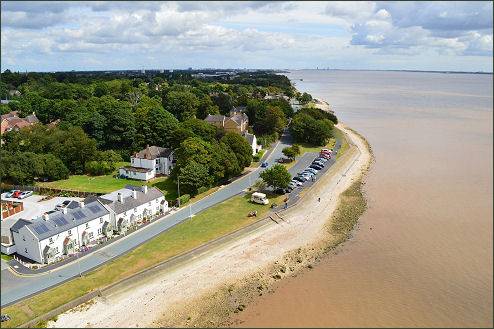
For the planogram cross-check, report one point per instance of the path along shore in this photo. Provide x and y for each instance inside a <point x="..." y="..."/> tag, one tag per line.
<point x="206" y="290"/>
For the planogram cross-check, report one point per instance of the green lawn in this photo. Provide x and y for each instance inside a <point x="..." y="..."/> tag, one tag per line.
<point x="304" y="147"/>
<point x="6" y="257"/>
<point x="212" y="223"/>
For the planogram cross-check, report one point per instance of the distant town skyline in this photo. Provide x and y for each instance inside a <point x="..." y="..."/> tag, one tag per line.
<point x="426" y="36"/>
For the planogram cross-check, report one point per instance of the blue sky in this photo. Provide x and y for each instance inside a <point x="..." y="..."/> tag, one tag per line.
<point x="99" y="35"/>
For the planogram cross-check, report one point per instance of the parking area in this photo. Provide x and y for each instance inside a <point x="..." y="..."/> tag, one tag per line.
<point x="35" y="206"/>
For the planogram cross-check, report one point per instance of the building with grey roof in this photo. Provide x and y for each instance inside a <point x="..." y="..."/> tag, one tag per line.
<point x="133" y="204"/>
<point x="58" y="233"/>
<point x="149" y="162"/>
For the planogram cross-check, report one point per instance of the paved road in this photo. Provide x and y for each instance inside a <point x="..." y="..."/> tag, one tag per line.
<point x="15" y="288"/>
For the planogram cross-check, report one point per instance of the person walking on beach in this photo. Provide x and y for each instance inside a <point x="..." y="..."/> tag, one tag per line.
<point x="318" y="199"/>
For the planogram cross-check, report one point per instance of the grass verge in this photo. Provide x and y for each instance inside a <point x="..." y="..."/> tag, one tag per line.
<point x="212" y="223"/>
<point x="6" y="257"/>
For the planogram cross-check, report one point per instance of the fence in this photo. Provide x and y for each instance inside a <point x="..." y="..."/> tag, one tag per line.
<point x="49" y="190"/>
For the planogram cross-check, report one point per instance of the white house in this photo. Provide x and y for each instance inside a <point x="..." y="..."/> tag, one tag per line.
<point x="148" y="163"/>
<point x="252" y="140"/>
<point x="132" y="205"/>
<point x="63" y="232"/>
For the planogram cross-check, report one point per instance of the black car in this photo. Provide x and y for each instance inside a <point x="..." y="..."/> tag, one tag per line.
<point x="297" y="178"/>
<point x="316" y="166"/>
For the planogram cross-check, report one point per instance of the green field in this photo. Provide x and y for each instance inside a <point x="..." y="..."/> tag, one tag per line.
<point x="212" y="223"/>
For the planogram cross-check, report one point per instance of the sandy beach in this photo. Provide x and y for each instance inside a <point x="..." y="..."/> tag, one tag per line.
<point x="194" y="293"/>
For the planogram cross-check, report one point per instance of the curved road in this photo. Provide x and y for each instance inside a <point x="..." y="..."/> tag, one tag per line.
<point x="15" y="288"/>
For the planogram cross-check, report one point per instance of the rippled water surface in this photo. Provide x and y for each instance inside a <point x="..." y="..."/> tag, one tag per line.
<point x="422" y="254"/>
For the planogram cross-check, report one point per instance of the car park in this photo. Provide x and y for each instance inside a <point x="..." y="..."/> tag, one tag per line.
<point x="9" y="194"/>
<point x="25" y="194"/>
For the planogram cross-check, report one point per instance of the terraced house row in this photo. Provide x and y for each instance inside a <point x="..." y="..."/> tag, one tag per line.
<point x="65" y="231"/>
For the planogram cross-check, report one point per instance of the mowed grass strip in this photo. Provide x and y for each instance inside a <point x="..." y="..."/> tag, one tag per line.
<point x="212" y="223"/>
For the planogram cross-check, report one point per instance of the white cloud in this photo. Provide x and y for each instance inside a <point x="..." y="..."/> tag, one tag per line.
<point x="243" y="32"/>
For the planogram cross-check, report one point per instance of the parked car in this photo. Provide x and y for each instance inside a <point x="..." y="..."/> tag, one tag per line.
<point x="321" y="159"/>
<point x="16" y="194"/>
<point x="316" y="167"/>
<point x="299" y="179"/>
<point x="9" y="194"/>
<point x="4" y="317"/>
<point x="325" y="150"/>
<point x="309" y="172"/>
<point x="319" y="163"/>
<point x="264" y="164"/>
<point x="312" y="170"/>
<point x="292" y="185"/>
<point x="25" y="194"/>
<point x="325" y="156"/>
<point x="297" y="182"/>
<point x="306" y="177"/>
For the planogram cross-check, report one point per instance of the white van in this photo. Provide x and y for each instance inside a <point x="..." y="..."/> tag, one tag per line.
<point x="259" y="198"/>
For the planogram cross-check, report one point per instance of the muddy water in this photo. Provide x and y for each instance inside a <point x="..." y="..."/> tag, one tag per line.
<point x="422" y="254"/>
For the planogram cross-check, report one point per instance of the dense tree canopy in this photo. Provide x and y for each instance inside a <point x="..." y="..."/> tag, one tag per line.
<point x="277" y="176"/>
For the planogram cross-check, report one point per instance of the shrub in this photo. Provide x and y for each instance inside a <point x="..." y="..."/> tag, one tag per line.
<point x="202" y="189"/>
<point x="184" y="199"/>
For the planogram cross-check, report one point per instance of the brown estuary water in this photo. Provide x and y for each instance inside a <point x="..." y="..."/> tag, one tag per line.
<point x="421" y="255"/>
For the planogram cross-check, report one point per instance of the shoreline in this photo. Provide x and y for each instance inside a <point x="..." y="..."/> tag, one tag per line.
<point x="295" y="244"/>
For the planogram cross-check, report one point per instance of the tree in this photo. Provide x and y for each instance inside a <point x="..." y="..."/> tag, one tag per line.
<point x="277" y="176"/>
<point x="206" y="106"/>
<point x="305" y="128"/>
<point x="154" y="125"/>
<point x="296" y="149"/>
<point x="239" y="146"/>
<point x="274" y="120"/>
<point x="289" y="153"/>
<point x="194" y="176"/>
<point x="182" y="104"/>
<point x="305" y="98"/>
<point x="224" y="102"/>
<point x="201" y="128"/>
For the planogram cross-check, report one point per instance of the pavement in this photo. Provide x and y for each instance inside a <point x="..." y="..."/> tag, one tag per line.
<point x="15" y="288"/>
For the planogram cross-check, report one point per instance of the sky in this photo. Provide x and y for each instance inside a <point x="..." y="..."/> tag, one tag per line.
<point x="99" y="35"/>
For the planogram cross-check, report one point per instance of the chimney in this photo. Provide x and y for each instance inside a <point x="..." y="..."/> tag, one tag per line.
<point x="45" y="217"/>
<point x="134" y="194"/>
<point x="81" y="204"/>
<point x="120" y="198"/>
<point x="144" y="189"/>
<point x="64" y="210"/>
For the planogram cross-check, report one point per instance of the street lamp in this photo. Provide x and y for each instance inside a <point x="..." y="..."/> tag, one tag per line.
<point x="178" y="188"/>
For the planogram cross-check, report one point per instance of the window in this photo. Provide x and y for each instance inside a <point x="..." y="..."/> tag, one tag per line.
<point x="51" y="240"/>
<point x="25" y="250"/>
<point x="101" y="220"/>
<point x="23" y="238"/>
<point x="149" y="203"/>
<point x="135" y="209"/>
<point x="69" y="232"/>
<point x="100" y="231"/>
<point x="87" y="225"/>
<point x="90" y="235"/>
